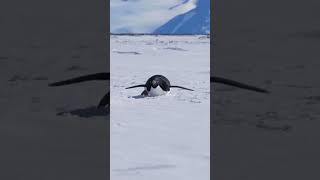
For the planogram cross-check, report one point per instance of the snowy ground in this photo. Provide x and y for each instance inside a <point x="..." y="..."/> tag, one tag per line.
<point x="164" y="137"/>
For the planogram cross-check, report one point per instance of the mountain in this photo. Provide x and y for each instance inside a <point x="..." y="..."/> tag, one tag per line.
<point x="195" y="21"/>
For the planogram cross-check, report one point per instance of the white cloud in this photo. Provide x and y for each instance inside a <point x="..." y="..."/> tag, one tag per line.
<point x="143" y="16"/>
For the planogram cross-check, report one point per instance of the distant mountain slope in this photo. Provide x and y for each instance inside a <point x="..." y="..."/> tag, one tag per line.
<point x="144" y="16"/>
<point x="195" y="21"/>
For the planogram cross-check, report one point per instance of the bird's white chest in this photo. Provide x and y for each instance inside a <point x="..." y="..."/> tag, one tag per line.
<point x="157" y="91"/>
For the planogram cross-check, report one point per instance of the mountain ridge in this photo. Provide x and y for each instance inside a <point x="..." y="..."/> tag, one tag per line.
<point x="195" y="21"/>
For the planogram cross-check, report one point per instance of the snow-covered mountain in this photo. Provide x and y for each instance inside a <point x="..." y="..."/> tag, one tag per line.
<point x="195" y="21"/>
<point x="144" y="16"/>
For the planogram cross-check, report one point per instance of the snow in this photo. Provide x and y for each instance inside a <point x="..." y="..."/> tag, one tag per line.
<point x="162" y="137"/>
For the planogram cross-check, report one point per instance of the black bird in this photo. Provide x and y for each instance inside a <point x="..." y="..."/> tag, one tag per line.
<point x="157" y="85"/>
<point x="105" y="101"/>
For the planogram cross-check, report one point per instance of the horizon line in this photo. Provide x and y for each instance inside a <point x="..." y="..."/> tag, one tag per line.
<point x="166" y="34"/>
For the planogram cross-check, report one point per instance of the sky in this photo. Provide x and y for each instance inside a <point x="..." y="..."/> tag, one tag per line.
<point x="144" y="16"/>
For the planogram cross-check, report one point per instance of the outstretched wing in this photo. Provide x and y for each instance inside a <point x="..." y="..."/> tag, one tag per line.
<point x="215" y="79"/>
<point x="181" y="88"/>
<point x="141" y="85"/>
<point x="90" y="77"/>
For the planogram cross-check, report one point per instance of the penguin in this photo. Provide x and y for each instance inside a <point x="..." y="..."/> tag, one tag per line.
<point x="105" y="101"/>
<point x="157" y="85"/>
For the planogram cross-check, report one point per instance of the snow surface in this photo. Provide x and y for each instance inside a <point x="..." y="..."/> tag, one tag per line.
<point x="164" y="137"/>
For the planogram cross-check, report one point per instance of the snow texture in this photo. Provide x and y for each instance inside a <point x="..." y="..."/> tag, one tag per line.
<point x="163" y="137"/>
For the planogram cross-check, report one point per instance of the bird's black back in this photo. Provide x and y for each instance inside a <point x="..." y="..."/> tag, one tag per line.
<point x="162" y="81"/>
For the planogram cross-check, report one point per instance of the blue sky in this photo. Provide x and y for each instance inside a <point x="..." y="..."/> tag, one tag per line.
<point x="143" y="16"/>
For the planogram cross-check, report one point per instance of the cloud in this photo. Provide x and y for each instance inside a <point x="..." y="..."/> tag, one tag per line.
<point x="143" y="16"/>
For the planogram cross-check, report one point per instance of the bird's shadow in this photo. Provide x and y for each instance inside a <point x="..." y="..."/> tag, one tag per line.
<point x="142" y="96"/>
<point x="87" y="112"/>
<point x="138" y="97"/>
